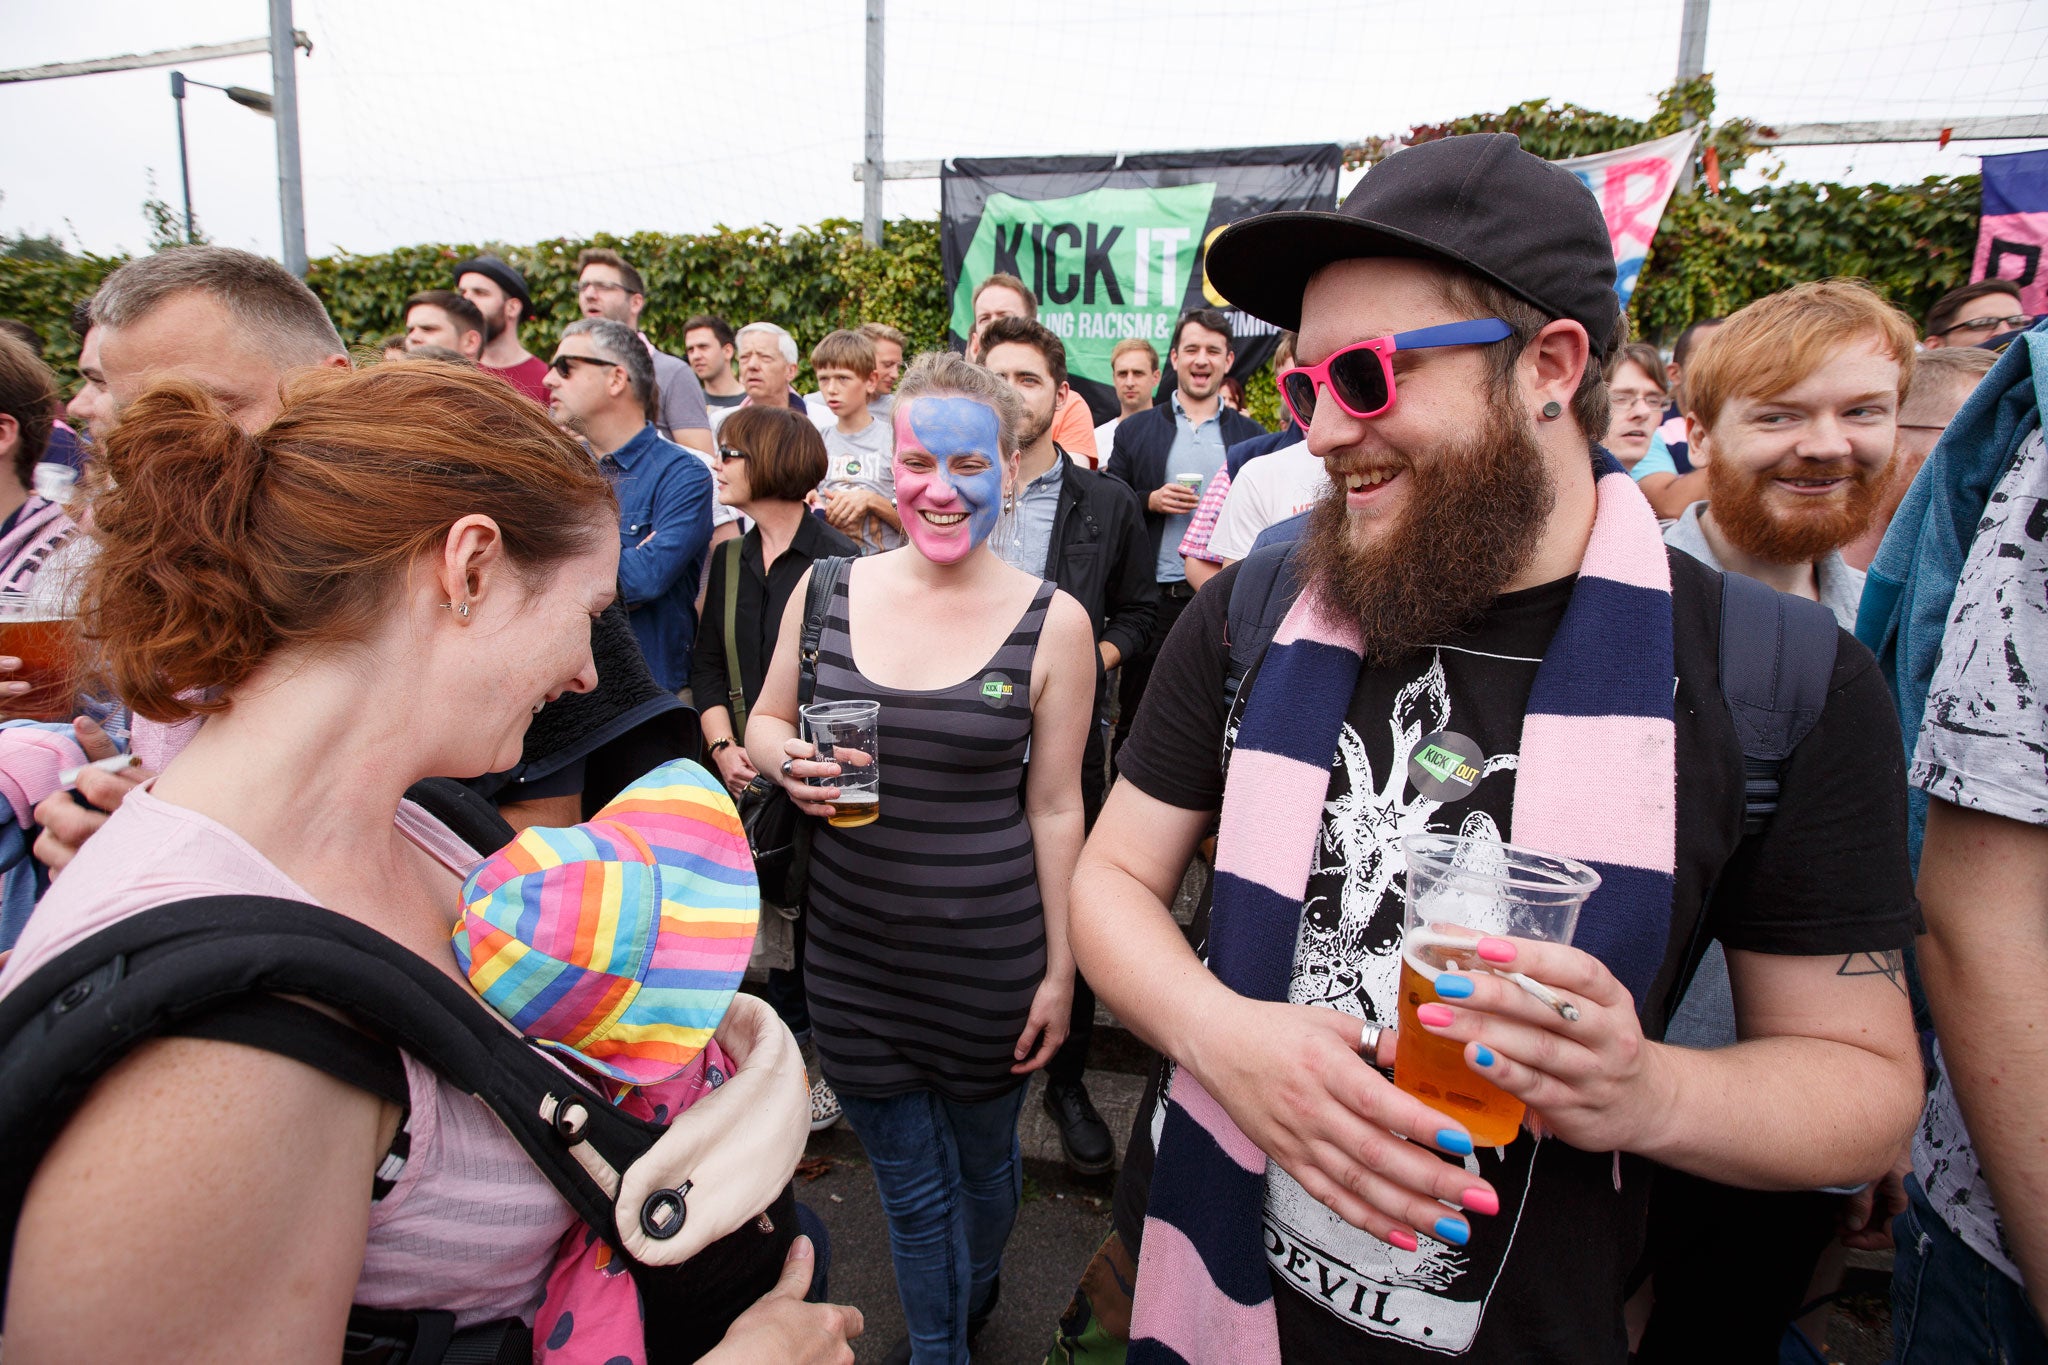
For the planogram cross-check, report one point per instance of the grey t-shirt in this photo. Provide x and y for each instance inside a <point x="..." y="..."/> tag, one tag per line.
<point x="864" y="461"/>
<point x="682" y="397"/>
<point x="1980" y="748"/>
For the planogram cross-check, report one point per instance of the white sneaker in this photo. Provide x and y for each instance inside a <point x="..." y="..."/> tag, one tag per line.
<point x="825" y="1110"/>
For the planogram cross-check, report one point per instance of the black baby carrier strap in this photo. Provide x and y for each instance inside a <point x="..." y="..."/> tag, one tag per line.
<point x="214" y="967"/>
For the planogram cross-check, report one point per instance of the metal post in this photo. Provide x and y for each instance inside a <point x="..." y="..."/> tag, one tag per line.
<point x="1692" y="41"/>
<point x="284" y="86"/>
<point x="872" y="177"/>
<point x="184" y="165"/>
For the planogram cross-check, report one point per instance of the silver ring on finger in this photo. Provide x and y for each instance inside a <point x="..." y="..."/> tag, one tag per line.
<point x="787" y="764"/>
<point x="1369" y="1042"/>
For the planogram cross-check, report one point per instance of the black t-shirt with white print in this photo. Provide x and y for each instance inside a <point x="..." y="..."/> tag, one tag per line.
<point x="1544" y="1279"/>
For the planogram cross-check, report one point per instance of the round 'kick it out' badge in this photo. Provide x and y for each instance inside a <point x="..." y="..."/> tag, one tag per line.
<point x="1445" y="766"/>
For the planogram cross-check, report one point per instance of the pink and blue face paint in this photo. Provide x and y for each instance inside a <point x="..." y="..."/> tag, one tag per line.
<point x="949" y="465"/>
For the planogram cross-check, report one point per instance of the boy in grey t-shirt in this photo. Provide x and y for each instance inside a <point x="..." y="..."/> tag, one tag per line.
<point x="859" y="491"/>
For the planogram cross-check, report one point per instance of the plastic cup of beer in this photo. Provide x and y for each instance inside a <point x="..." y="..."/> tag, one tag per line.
<point x="849" y="733"/>
<point x="1461" y="890"/>
<point x="45" y="638"/>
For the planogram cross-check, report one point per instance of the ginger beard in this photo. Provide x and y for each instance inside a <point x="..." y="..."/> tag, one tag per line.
<point x="1787" y="528"/>
<point x="1473" y="517"/>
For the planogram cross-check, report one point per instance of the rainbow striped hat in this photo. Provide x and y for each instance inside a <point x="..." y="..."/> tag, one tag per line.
<point x="619" y="941"/>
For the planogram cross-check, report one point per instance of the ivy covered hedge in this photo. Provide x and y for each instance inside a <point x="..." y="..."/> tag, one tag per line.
<point x="1712" y="254"/>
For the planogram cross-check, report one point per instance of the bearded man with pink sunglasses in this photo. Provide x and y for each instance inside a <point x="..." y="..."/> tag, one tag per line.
<point x="1481" y="634"/>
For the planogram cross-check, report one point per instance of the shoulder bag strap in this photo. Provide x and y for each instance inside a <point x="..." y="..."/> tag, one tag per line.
<point x="735" y="698"/>
<point x="1777" y="659"/>
<point x="825" y="575"/>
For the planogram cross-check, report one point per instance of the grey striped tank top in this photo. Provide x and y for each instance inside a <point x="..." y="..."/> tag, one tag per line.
<point x="926" y="938"/>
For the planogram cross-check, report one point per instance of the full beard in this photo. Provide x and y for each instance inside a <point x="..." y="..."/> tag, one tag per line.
<point x="1474" y="516"/>
<point x="1798" y="534"/>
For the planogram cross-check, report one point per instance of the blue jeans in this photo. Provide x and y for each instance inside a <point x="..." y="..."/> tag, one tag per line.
<point x="1950" y="1306"/>
<point x="951" y="1178"/>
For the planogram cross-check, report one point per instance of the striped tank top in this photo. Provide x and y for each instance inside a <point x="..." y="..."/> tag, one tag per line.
<point x="926" y="934"/>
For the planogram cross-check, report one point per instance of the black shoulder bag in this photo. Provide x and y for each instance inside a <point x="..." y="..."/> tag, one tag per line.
<point x="777" y="833"/>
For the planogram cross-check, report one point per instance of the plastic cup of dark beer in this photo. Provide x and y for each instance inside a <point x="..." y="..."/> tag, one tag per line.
<point x="1459" y="891"/>
<point x="45" y="638"/>
<point x="849" y="733"/>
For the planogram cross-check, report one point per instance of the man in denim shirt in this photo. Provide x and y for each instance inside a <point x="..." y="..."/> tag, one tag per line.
<point x="602" y="387"/>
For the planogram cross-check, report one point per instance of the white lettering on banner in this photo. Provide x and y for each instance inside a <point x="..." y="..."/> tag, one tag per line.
<point x="1141" y="265"/>
<point x="1169" y="260"/>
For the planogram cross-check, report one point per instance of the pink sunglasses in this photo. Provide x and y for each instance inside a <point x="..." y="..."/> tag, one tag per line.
<point x="1361" y="376"/>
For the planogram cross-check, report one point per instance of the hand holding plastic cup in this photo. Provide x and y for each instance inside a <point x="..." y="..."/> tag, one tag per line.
<point x="1460" y="891"/>
<point x="848" y="733"/>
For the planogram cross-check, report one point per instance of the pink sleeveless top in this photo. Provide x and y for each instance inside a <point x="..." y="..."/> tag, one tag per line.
<point x="471" y="1226"/>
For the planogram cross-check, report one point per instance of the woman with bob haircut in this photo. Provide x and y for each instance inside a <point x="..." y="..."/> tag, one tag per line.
<point x="384" y="584"/>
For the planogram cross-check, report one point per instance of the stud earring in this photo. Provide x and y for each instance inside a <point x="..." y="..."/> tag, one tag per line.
<point x="461" y="610"/>
<point x="1552" y="410"/>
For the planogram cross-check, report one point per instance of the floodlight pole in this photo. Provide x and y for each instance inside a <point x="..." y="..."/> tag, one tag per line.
<point x="184" y="165"/>
<point x="284" y="86"/>
<point x="1692" y="41"/>
<point x="871" y="152"/>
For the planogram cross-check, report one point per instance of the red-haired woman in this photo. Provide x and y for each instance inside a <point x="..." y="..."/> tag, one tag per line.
<point x="384" y="584"/>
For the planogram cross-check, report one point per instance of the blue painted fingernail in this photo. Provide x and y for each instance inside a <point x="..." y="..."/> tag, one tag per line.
<point x="1482" y="1054"/>
<point x="1451" y="1140"/>
<point x="1451" y="986"/>
<point x="1453" y="1231"/>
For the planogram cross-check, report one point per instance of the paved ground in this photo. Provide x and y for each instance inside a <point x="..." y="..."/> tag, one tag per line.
<point x="1063" y="1220"/>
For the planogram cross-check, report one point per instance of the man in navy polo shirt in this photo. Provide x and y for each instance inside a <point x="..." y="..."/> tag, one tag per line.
<point x="602" y="387"/>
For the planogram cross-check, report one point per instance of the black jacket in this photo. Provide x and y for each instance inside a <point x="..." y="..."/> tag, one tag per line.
<point x="1139" y="456"/>
<point x="1098" y="555"/>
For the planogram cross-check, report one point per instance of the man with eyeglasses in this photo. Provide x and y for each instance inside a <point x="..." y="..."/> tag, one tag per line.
<point x="1479" y="637"/>
<point x="1974" y="313"/>
<point x="601" y="386"/>
<point x="608" y="287"/>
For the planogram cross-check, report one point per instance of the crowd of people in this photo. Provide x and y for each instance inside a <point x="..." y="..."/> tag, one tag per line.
<point x="1490" y="580"/>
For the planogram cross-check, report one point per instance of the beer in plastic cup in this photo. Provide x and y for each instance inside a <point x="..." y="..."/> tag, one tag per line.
<point x="43" y="635"/>
<point x="849" y="733"/>
<point x="1460" y="890"/>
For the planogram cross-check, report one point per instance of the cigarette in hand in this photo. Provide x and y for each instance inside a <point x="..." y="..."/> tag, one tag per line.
<point x="68" y="779"/>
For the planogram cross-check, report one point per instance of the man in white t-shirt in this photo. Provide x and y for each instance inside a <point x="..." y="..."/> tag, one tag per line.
<point x="1265" y="492"/>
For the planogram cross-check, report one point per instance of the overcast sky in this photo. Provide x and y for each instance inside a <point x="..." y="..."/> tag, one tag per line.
<point x="513" y="120"/>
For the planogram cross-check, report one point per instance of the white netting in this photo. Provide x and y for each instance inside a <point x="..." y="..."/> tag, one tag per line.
<point x="514" y="120"/>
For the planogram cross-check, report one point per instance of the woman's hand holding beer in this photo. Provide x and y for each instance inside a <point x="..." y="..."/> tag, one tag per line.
<point x="803" y="764"/>
<point x="14" y="687"/>
<point x="1293" y="1081"/>
<point x="1594" y="1081"/>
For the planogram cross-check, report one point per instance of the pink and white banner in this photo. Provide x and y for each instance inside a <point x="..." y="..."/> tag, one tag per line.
<point x="1633" y="185"/>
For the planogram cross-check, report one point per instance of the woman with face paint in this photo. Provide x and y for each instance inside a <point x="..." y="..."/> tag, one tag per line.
<point x="937" y="965"/>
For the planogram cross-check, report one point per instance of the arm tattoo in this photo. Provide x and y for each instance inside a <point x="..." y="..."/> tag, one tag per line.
<point x="1890" y="965"/>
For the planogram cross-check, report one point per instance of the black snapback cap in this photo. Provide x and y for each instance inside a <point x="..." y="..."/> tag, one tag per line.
<point x="1477" y="201"/>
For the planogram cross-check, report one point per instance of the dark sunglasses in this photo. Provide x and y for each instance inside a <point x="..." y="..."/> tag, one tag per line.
<point x="1361" y="376"/>
<point x="730" y="453"/>
<point x="562" y="364"/>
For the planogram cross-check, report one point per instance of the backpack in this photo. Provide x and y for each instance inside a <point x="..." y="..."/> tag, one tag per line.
<point x="1777" y="657"/>
<point x="219" y="967"/>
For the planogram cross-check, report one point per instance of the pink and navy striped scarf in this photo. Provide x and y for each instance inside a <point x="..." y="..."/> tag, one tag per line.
<point x="1597" y="782"/>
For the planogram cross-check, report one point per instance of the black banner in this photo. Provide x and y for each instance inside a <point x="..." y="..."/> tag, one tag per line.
<point x="1115" y="247"/>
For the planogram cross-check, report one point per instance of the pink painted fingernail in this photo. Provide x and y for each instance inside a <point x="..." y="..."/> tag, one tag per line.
<point x="1436" y="1016"/>
<point x="1496" y="950"/>
<point x="1479" y="1199"/>
<point x="1401" y="1238"/>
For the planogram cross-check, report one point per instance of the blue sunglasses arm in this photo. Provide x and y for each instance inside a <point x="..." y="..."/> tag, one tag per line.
<point x="1478" y="332"/>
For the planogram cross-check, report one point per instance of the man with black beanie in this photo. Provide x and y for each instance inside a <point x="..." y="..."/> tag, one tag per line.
<point x="499" y="293"/>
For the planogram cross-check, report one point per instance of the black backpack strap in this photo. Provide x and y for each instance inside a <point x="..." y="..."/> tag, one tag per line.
<point x="1260" y="599"/>
<point x="825" y="576"/>
<point x="271" y="1023"/>
<point x="1777" y="659"/>
<point x="152" y="973"/>
<point x="471" y="818"/>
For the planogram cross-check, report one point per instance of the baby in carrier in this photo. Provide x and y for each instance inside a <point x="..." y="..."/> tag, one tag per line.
<point x="618" y="945"/>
